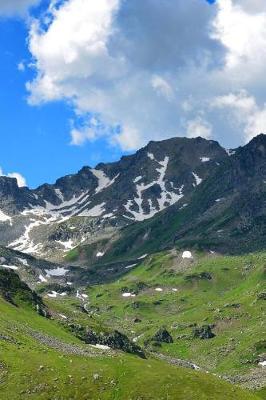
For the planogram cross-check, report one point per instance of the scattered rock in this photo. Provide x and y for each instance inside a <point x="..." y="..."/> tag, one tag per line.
<point x="162" y="336"/>
<point x="203" y="332"/>
<point x="261" y="296"/>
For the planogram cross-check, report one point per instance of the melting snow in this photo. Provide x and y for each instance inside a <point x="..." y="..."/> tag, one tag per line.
<point x="5" y="218"/>
<point x="130" y="266"/>
<point x="103" y="180"/>
<point x="96" y="211"/>
<point x="137" y="179"/>
<point x="53" y="294"/>
<point x="187" y="254"/>
<point x="56" y="272"/>
<point x="128" y="295"/>
<point x="100" y="346"/>
<point x="151" y="156"/>
<point x="59" y="194"/>
<point x="166" y="199"/>
<point x="23" y="261"/>
<point x="68" y="245"/>
<point x="144" y="256"/>
<point x="204" y="159"/>
<point x="42" y="278"/>
<point x="197" y="179"/>
<point x="230" y="152"/>
<point x="99" y="254"/>
<point x="9" y="267"/>
<point x="110" y="215"/>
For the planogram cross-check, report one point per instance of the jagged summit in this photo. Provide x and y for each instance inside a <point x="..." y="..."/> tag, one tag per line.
<point x="55" y="218"/>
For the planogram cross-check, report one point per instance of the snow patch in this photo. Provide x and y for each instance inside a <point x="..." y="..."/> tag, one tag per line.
<point x="167" y="198"/>
<point x="13" y="267"/>
<point x="197" y="179"/>
<point x="158" y="289"/>
<point x="100" y="346"/>
<point x="187" y="254"/>
<point x="42" y="278"/>
<point x="56" y="272"/>
<point x="103" y="180"/>
<point x="230" y="152"/>
<point x="68" y="244"/>
<point x="204" y="159"/>
<point x="131" y="266"/>
<point x="99" y="254"/>
<point x="137" y="179"/>
<point x="144" y="256"/>
<point x="52" y="294"/>
<point x="128" y="295"/>
<point x="151" y="156"/>
<point x="96" y="211"/>
<point x="23" y="261"/>
<point x="4" y="218"/>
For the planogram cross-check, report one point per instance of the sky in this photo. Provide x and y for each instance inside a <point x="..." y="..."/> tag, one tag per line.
<point x="84" y="81"/>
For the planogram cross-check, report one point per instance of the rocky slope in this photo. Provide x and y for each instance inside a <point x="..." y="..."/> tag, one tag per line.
<point x="94" y="203"/>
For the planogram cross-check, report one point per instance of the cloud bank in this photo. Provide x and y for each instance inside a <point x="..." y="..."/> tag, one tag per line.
<point x="140" y="70"/>
<point x="20" y="179"/>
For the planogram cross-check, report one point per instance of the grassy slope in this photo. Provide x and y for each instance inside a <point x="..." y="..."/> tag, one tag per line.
<point x="65" y="376"/>
<point x="228" y="300"/>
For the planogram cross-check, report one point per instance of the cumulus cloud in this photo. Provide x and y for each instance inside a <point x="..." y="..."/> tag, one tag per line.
<point x="244" y="111"/>
<point x="16" y="7"/>
<point x="20" y="179"/>
<point x="149" y="69"/>
<point x="199" y="127"/>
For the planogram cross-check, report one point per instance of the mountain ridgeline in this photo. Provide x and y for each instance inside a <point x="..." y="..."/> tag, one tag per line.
<point x="187" y="192"/>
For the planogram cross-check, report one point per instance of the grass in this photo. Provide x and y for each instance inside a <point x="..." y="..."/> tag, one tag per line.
<point x="228" y="301"/>
<point x="32" y="370"/>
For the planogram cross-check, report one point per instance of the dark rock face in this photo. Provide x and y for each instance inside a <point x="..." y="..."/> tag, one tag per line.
<point x="203" y="332"/>
<point x="262" y="296"/>
<point x="192" y="190"/>
<point x="14" y="291"/>
<point x="163" y="336"/>
<point x="113" y="195"/>
<point x="115" y="340"/>
<point x="199" y="276"/>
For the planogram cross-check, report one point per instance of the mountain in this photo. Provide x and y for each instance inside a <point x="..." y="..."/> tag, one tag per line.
<point x="138" y="270"/>
<point x="225" y="213"/>
<point x="98" y="202"/>
<point x="187" y="192"/>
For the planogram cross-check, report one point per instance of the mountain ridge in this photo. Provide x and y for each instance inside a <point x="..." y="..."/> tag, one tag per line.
<point x="96" y="203"/>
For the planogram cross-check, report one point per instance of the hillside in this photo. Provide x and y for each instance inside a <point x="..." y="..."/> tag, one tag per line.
<point x="41" y="360"/>
<point x="183" y="295"/>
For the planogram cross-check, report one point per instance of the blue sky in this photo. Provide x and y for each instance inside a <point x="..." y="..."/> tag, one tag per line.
<point x="184" y="79"/>
<point x="35" y="140"/>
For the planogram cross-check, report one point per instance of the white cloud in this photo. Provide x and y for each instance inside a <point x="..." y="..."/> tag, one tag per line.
<point x="244" y="110"/>
<point x="20" y="179"/>
<point x="243" y="33"/>
<point x="199" y="127"/>
<point x="108" y="58"/>
<point x="162" y="87"/>
<point x="16" y="7"/>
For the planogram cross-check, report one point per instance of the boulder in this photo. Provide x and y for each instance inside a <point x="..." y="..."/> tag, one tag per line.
<point x="203" y="332"/>
<point x="162" y="336"/>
